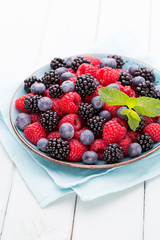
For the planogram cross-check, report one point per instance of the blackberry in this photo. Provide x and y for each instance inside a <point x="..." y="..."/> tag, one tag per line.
<point x="145" y="73"/>
<point x="118" y="59"/>
<point x="141" y="124"/>
<point x="78" y="61"/>
<point x="57" y="63"/>
<point x="146" y="89"/>
<point x="96" y="124"/>
<point x="50" y="78"/>
<point x="113" y="153"/>
<point x="87" y="110"/>
<point x="125" y="79"/>
<point x="29" y="81"/>
<point x="55" y="91"/>
<point x="31" y="103"/>
<point x="145" y="141"/>
<point x="57" y="148"/>
<point x="85" y="85"/>
<point x="49" y="120"/>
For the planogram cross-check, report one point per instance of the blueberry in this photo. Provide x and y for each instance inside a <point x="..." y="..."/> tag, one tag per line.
<point x="132" y="69"/>
<point x="138" y="80"/>
<point x="65" y="76"/>
<point x="23" y="120"/>
<point x="87" y="137"/>
<point x="61" y="70"/>
<point x="67" y="86"/>
<point x="66" y="131"/>
<point x="68" y="61"/>
<point x="90" y="157"/>
<point x="44" y="104"/>
<point x="97" y="103"/>
<point x="114" y="85"/>
<point x="157" y="88"/>
<point x="119" y="114"/>
<point x="158" y="120"/>
<point x="106" y="114"/>
<point x="134" y="149"/>
<point x="97" y="82"/>
<point x="108" y="62"/>
<point x="38" y="88"/>
<point x="42" y="144"/>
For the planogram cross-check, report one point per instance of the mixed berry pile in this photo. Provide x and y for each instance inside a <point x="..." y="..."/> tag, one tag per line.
<point x="64" y="116"/>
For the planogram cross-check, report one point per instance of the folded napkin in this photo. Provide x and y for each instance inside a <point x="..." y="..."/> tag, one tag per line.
<point x="49" y="181"/>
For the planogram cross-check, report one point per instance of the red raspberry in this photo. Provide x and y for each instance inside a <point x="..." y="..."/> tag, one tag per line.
<point x="107" y="76"/>
<point x="77" y="150"/>
<point x="54" y="134"/>
<point x="73" y="119"/>
<point x="19" y="103"/>
<point x="111" y="109"/>
<point x="148" y="120"/>
<point x="127" y="90"/>
<point x="88" y="98"/>
<point x="73" y="79"/>
<point x="133" y="135"/>
<point x="70" y="102"/>
<point x="99" y="147"/>
<point x="124" y="143"/>
<point x="71" y="71"/>
<point x="121" y="121"/>
<point x="56" y="107"/>
<point x="34" y="132"/>
<point x="35" y="117"/>
<point x="46" y="94"/>
<point x="153" y="130"/>
<point x="113" y="132"/>
<point x="94" y="60"/>
<point x="78" y="133"/>
<point x="87" y="68"/>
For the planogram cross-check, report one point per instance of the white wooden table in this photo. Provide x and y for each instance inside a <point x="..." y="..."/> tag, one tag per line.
<point x="32" y="32"/>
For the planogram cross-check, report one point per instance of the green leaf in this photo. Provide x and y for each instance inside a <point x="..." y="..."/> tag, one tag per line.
<point x="131" y="102"/>
<point x="112" y="96"/>
<point x="133" y="118"/>
<point x="148" y="106"/>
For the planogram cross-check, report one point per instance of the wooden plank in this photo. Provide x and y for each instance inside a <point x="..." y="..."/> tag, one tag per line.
<point x="6" y="177"/>
<point x="118" y="216"/>
<point x="26" y="220"/>
<point x="71" y="28"/>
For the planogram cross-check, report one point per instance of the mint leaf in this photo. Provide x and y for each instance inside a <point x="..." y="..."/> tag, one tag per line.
<point x="133" y="118"/>
<point x="112" y="96"/>
<point x="148" y="106"/>
<point x="131" y="102"/>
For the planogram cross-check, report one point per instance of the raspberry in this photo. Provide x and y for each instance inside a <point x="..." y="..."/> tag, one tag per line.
<point x="78" y="133"/>
<point x="77" y="149"/>
<point x="111" y="109"/>
<point x="34" y="132"/>
<point x="46" y="94"/>
<point x="73" y="119"/>
<point x="19" y="103"/>
<point x="35" y="117"/>
<point x="107" y="76"/>
<point x="71" y="71"/>
<point x="148" y="120"/>
<point x="153" y="130"/>
<point x="99" y="147"/>
<point x="56" y="108"/>
<point x="70" y="102"/>
<point x="87" y="68"/>
<point x="124" y="143"/>
<point x="73" y="79"/>
<point x="89" y="98"/>
<point x="94" y="60"/>
<point x="121" y="121"/>
<point x="113" y="132"/>
<point x="133" y="135"/>
<point x="54" y="134"/>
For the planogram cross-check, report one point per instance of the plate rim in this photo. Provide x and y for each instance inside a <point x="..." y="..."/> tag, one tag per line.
<point x="73" y="164"/>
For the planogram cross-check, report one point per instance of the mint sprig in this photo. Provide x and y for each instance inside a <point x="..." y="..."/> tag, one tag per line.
<point x="145" y="106"/>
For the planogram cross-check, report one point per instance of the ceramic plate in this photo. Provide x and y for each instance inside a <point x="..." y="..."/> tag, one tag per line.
<point x="101" y="164"/>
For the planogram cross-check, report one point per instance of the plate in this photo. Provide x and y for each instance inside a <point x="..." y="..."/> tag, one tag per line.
<point x="101" y="164"/>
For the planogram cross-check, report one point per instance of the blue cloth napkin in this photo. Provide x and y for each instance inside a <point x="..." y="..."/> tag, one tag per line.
<point x="49" y="181"/>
